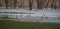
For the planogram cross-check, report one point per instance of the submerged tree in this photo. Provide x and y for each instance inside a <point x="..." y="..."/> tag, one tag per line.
<point x="6" y="3"/>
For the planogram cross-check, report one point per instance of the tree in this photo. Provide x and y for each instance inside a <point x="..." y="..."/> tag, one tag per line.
<point x="20" y="4"/>
<point x="0" y="4"/>
<point x="47" y="3"/>
<point x="6" y="4"/>
<point x="30" y="4"/>
<point x="10" y="3"/>
<point x="39" y="4"/>
<point x="59" y="1"/>
<point x="14" y="3"/>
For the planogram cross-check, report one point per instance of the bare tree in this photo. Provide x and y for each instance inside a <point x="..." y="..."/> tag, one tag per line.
<point x="6" y="4"/>
<point x="20" y="4"/>
<point x="39" y="4"/>
<point x="10" y="3"/>
<point x="54" y="4"/>
<point x="14" y="3"/>
<point x="30" y="4"/>
<point x="0" y="4"/>
<point x="59" y="1"/>
<point x="47" y="3"/>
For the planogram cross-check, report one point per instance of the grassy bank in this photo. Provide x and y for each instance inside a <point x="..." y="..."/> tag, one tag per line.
<point x="7" y="24"/>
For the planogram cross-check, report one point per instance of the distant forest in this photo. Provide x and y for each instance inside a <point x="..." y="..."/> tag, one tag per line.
<point x="30" y="4"/>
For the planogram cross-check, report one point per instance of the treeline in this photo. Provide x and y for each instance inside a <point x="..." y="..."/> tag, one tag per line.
<point x="36" y="4"/>
<point x="8" y="3"/>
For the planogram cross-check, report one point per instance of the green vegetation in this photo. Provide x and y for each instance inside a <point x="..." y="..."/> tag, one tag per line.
<point x="8" y="24"/>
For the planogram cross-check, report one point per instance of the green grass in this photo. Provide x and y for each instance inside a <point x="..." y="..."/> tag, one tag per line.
<point x="8" y="24"/>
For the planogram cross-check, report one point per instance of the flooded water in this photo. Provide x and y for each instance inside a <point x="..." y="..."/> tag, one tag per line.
<point x="52" y="15"/>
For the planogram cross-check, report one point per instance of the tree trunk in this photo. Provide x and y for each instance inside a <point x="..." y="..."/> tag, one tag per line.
<point x="6" y="4"/>
<point x="30" y="4"/>
<point x="47" y="3"/>
<point x="14" y="2"/>
<point x="39" y="4"/>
